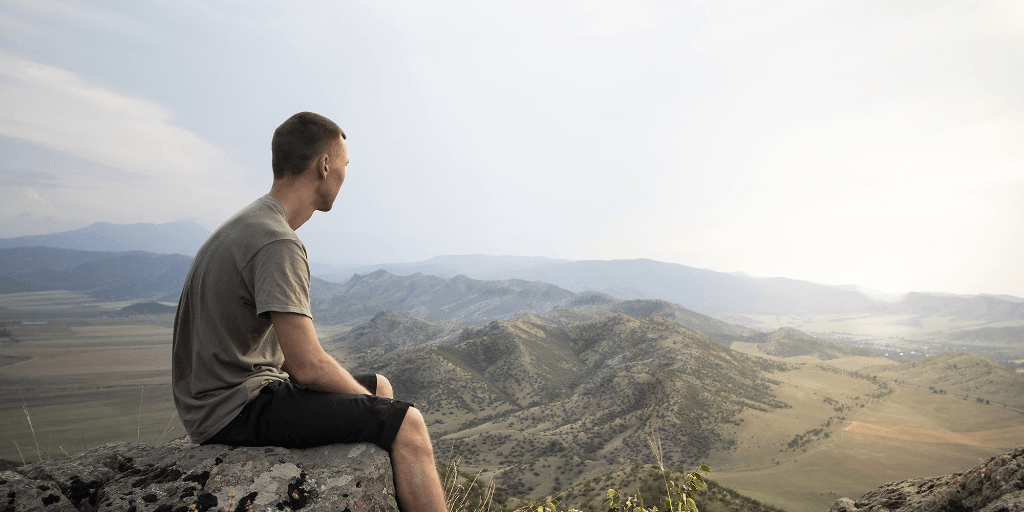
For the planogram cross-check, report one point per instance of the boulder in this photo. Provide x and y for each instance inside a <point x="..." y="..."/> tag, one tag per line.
<point x="181" y="476"/>
<point x="997" y="485"/>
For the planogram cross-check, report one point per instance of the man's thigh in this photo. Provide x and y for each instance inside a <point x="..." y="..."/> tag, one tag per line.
<point x="286" y="414"/>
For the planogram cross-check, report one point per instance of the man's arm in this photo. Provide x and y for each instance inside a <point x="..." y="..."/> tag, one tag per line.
<point x="305" y="360"/>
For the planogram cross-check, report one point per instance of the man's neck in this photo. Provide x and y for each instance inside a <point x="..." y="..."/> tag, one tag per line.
<point x="297" y="208"/>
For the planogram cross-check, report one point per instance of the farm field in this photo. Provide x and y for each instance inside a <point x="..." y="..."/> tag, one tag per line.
<point x="81" y="377"/>
<point x="57" y="303"/>
<point x="84" y="396"/>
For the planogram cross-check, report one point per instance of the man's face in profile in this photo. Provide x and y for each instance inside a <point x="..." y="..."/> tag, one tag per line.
<point x="337" y="160"/>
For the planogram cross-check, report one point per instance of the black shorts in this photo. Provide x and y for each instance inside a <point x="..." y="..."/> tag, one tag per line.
<point x="291" y="416"/>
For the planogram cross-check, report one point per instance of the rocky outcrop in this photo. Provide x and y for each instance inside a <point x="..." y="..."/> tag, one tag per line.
<point x="995" y="486"/>
<point x="181" y="477"/>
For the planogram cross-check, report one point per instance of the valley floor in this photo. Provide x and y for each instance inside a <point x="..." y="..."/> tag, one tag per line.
<point x="907" y="434"/>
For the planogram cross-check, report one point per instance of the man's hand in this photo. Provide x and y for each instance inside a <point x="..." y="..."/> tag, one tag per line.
<point x="305" y="360"/>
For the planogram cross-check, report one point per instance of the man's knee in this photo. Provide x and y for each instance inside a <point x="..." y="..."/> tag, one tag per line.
<point x="413" y="432"/>
<point x="414" y="419"/>
<point x="384" y="388"/>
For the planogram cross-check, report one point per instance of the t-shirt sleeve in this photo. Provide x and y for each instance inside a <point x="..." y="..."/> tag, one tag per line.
<point x="281" y="279"/>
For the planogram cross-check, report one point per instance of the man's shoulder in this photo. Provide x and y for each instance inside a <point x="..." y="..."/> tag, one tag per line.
<point x="259" y="224"/>
<point x="263" y="221"/>
<point x="264" y="213"/>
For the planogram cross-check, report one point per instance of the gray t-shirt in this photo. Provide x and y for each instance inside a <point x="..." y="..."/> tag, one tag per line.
<point x="224" y="348"/>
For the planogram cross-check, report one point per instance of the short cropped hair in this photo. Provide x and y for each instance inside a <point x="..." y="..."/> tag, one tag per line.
<point x="299" y="140"/>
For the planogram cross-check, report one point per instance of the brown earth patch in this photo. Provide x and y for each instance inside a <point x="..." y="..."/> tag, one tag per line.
<point x="916" y="433"/>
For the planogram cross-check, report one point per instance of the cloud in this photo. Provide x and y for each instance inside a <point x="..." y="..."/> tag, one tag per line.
<point x="144" y="167"/>
<point x="57" y="109"/>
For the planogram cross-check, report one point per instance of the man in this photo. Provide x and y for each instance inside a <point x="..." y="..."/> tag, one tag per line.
<point x="247" y="368"/>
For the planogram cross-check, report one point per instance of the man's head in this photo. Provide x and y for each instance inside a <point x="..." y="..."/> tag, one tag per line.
<point x="301" y="139"/>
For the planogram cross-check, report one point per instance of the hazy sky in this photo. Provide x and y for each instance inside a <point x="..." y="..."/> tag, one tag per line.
<point x="870" y="142"/>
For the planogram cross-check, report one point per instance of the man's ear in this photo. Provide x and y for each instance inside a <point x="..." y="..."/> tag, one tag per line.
<point x="323" y="167"/>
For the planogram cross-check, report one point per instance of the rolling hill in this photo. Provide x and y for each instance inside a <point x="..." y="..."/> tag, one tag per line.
<point x="390" y="330"/>
<point x="789" y="342"/>
<point x="592" y="305"/>
<point x="968" y="376"/>
<point x="978" y="307"/>
<point x="430" y="298"/>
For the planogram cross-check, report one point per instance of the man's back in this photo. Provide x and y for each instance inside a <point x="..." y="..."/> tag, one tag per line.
<point x="254" y="263"/>
<point x="244" y="311"/>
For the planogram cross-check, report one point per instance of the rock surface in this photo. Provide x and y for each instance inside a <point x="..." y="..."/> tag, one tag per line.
<point x="995" y="486"/>
<point x="135" y="477"/>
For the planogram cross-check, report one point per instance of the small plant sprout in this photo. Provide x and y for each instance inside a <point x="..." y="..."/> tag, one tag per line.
<point x="138" y="433"/>
<point x="678" y="497"/>
<point x="167" y="428"/>
<point x="24" y="407"/>
<point x="19" y="451"/>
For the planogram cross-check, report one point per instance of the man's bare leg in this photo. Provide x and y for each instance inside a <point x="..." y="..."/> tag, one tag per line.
<point x="412" y="459"/>
<point x="384" y="387"/>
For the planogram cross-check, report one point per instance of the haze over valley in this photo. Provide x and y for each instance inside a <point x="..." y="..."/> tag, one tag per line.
<point x="474" y="289"/>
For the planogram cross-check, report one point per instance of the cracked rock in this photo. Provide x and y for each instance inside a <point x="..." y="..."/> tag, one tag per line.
<point x="172" y="477"/>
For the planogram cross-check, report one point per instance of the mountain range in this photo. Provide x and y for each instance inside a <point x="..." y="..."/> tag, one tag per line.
<point x="701" y="290"/>
<point x="477" y="266"/>
<point x="104" y="275"/>
<point x="388" y="329"/>
<point x="475" y="289"/>
<point x="431" y="298"/>
<point x="180" y="237"/>
<point x="590" y="389"/>
<point x="979" y="307"/>
<point x="463" y="300"/>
